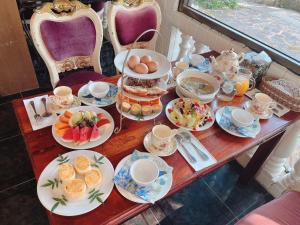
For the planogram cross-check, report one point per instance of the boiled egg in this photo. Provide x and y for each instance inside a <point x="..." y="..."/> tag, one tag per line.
<point x="141" y="68"/>
<point x="152" y="66"/>
<point x="145" y="59"/>
<point x="132" y="61"/>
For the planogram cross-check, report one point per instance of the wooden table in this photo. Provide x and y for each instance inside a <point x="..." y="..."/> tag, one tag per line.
<point x="42" y="148"/>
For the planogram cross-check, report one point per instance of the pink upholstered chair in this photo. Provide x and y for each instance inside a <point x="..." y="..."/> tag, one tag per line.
<point x="68" y="36"/>
<point x="126" y="23"/>
<point x="282" y="211"/>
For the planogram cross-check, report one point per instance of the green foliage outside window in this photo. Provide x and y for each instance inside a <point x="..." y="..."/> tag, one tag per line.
<point x="217" y="4"/>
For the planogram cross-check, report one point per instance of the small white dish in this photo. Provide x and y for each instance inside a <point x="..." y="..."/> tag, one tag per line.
<point x="161" y="153"/>
<point x="98" y="89"/>
<point x="264" y="116"/>
<point x="241" y="117"/>
<point x="144" y="171"/>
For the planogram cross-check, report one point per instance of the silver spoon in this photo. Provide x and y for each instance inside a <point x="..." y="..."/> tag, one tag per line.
<point x="188" y="154"/>
<point x="46" y="113"/>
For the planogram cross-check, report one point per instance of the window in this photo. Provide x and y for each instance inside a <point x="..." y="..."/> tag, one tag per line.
<point x="259" y="24"/>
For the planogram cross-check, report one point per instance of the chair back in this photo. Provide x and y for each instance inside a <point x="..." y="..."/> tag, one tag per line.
<point x="68" y="35"/>
<point x="128" y="19"/>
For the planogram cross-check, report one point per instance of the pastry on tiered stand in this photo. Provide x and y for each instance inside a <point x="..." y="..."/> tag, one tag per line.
<point x="142" y="85"/>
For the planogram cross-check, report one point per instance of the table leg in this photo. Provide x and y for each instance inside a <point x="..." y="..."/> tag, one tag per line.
<point x="259" y="157"/>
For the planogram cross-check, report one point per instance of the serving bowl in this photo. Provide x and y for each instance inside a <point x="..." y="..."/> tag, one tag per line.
<point x="195" y="73"/>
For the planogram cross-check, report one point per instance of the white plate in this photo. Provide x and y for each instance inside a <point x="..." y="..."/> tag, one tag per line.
<point x="144" y="118"/>
<point x="163" y="153"/>
<point x="163" y="68"/>
<point x="264" y="116"/>
<point x="105" y="131"/>
<point x="237" y="134"/>
<point x="74" y="208"/>
<point x="136" y="199"/>
<point x="182" y="96"/>
<point x="91" y="101"/>
<point x="205" y="127"/>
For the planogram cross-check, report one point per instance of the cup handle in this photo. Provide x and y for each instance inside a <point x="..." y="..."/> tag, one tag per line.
<point x="252" y="84"/>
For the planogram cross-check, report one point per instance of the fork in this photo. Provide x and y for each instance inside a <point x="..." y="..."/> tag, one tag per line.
<point x="188" y="138"/>
<point x="188" y="154"/>
<point x="36" y="116"/>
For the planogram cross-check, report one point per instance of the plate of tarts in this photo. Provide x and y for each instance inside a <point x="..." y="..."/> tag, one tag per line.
<point x="190" y="114"/>
<point x="75" y="183"/>
<point x="83" y="127"/>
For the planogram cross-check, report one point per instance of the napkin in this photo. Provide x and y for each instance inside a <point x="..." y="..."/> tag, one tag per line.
<point x="148" y="193"/>
<point x="200" y="163"/>
<point x="225" y="121"/>
<point x="45" y="121"/>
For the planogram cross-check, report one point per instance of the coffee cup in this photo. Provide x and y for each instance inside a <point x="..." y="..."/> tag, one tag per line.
<point x="261" y="103"/>
<point x="63" y="96"/>
<point x="179" y="68"/>
<point x="161" y="136"/>
<point x="144" y="171"/>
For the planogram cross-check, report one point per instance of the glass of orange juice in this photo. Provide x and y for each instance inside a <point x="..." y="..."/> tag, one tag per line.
<point x="244" y="82"/>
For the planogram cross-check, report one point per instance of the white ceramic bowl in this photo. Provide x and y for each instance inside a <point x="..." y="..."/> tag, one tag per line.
<point x="144" y="171"/>
<point x="195" y="73"/>
<point x="196" y="59"/>
<point x="241" y="118"/>
<point x="98" y="89"/>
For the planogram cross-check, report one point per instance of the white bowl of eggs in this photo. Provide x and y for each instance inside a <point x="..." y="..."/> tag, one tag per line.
<point x="143" y="64"/>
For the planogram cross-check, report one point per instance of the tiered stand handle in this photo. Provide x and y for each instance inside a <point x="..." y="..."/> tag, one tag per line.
<point x="118" y="129"/>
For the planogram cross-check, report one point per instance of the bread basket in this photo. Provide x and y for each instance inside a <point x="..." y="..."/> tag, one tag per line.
<point x="283" y="91"/>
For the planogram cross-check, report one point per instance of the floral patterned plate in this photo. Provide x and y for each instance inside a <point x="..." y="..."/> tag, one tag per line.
<point x="50" y="189"/>
<point x="143" y="194"/>
<point x="86" y="98"/>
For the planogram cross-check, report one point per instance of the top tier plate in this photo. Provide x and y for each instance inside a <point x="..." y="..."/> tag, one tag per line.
<point x="163" y="68"/>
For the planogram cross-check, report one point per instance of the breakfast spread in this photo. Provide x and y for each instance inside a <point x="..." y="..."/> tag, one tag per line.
<point x="190" y="113"/>
<point x="142" y="65"/>
<point x="80" y="127"/>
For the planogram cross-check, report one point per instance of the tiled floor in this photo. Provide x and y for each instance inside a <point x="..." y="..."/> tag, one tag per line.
<point x="216" y="199"/>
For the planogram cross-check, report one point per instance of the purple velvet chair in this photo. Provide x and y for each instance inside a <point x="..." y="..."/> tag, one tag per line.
<point x="68" y="37"/>
<point x="282" y="211"/>
<point x="125" y="24"/>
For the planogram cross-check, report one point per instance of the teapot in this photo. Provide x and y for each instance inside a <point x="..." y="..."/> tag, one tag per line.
<point x="227" y="62"/>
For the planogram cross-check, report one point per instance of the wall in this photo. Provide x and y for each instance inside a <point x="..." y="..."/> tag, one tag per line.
<point x="17" y="73"/>
<point x="204" y="34"/>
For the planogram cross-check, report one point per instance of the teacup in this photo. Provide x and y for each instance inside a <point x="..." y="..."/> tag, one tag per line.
<point x="261" y="103"/>
<point x="144" y="171"/>
<point x="161" y="136"/>
<point x="179" y="68"/>
<point x="241" y="118"/>
<point x="63" y="96"/>
<point x="98" y="89"/>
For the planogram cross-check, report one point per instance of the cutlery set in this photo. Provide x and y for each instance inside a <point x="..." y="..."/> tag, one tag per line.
<point x="36" y="115"/>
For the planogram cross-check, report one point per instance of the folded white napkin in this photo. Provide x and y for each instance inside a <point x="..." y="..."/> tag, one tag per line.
<point x="45" y="121"/>
<point x="200" y="163"/>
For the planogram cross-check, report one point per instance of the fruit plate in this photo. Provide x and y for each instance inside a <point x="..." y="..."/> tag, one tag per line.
<point x="163" y="68"/>
<point x="86" y="98"/>
<point x="105" y="131"/>
<point x="139" y="117"/>
<point x="207" y="124"/>
<point x="54" y="189"/>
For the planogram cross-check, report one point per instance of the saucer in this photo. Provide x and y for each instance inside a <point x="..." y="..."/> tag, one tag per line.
<point x="182" y="96"/>
<point x="162" y="153"/>
<point x="55" y="108"/>
<point x="266" y="115"/>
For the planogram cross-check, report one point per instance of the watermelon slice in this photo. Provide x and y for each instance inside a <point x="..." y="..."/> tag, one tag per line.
<point x="76" y="134"/>
<point x="101" y="116"/>
<point x="102" y="122"/>
<point x="95" y="133"/>
<point x="68" y="135"/>
<point x="85" y="133"/>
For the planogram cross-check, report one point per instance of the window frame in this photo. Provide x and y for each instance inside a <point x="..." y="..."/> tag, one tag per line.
<point x="256" y="45"/>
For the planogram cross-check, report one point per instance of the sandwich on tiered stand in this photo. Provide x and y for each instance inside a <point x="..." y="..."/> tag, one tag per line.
<point x="142" y="83"/>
